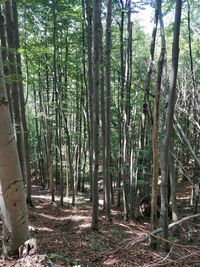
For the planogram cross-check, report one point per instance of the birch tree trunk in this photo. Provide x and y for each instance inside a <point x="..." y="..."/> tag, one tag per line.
<point x="12" y="193"/>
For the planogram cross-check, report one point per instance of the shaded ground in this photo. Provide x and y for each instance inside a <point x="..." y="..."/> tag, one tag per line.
<point x="64" y="235"/>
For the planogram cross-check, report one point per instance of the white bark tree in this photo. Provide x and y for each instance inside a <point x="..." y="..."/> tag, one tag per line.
<point x="12" y="192"/>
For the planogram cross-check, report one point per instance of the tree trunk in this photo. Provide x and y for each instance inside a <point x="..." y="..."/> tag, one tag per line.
<point x="4" y="58"/>
<point x="95" y="108"/>
<point x="147" y="118"/>
<point x="90" y="84"/>
<point x="12" y="195"/>
<point x="123" y="118"/>
<point x="173" y="182"/>
<point x="107" y="112"/>
<point x="69" y="157"/>
<point x="103" y="119"/>
<point x="17" y="116"/>
<point x="23" y="111"/>
<point x="169" y="123"/>
<point x="49" y="130"/>
<point x="155" y="125"/>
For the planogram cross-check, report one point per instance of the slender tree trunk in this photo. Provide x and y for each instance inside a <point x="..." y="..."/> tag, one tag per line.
<point x="119" y="162"/>
<point x="95" y="109"/>
<point x="103" y="117"/>
<point x="107" y="111"/>
<point x="23" y="111"/>
<point x="38" y="149"/>
<point x="169" y="123"/>
<point x="50" y="165"/>
<point x="173" y="184"/>
<point x="128" y="82"/>
<point x="84" y="100"/>
<point x="123" y="118"/>
<point x="146" y="120"/>
<point x="61" y="158"/>
<point x="56" y="91"/>
<point x="78" y="129"/>
<point x="90" y="84"/>
<point x="155" y="126"/>
<point x="49" y="131"/>
<point x="69" y="153"/>
<point x="41" y="131"/>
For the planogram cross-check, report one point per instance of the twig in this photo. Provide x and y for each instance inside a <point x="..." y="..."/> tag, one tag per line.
<point x="161" y="261"/>
<point x="187" y="256"/>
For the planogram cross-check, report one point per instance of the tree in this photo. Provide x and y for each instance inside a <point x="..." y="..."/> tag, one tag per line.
<point x="95" y="108"/>
<point x="90" y="82"/>
<point x="169" y="122"/>
<point x="155" y="126"/>
<point x="15" y="93"/>
<point x="12" y="196"/>
<point x="107" y="111"/>
<point x="22" y="105"/>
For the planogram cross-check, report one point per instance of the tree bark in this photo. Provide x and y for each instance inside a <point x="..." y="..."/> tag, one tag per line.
<point x="107" y="111"/>
<point x="22" y="104"/>
<point x="12" y="193"/>
<point x="155" y="126"/>
<point x="15" y="94"/>
<point x="169" y="123"/>
<point x="173" y="182"/>
<point x="95" y="108"/>
<point x="90" y="83"/>
<point x="4" y="58"/>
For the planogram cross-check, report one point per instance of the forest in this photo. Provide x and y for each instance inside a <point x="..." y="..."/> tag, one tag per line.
<point x="99" y="133"/>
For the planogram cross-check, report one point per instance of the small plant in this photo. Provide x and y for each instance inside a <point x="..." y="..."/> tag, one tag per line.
<point x="173" y="239"/>
<point x="95" y="245"/>
<point x="66" y="205"/>
<point x="68" y="260"/>
<point x="117" y="232"/>
<point x="60" y="257"/>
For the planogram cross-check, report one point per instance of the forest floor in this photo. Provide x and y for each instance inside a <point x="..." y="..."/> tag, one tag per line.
<point x="64" y="235"/>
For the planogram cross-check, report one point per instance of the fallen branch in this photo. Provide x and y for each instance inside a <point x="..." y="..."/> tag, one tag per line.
<point x="159" y="230"/>
<point x="163" y="260"/>
<point x="146" y="236"/>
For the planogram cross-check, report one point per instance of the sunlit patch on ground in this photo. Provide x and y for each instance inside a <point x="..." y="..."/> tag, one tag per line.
<point x="65" y="235"/>
<point x="111" y="261"/>
<point x="84" y="225"/>
<point x="45" y="229"/>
